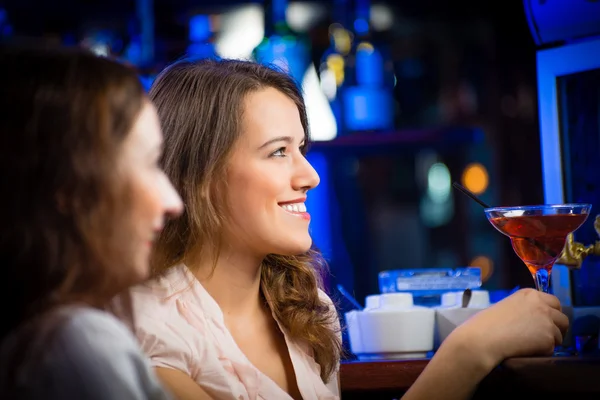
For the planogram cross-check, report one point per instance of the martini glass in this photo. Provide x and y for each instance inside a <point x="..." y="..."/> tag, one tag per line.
<point x="538" y="234"/>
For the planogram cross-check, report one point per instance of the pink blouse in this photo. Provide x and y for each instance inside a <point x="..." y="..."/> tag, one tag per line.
<point x="180" y="326"/>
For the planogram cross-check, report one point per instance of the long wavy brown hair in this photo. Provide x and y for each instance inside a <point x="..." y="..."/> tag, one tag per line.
<point x="200" y="104"/>
<point x="65" y="115"/>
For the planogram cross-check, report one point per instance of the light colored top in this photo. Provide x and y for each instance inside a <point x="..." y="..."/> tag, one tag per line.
<point x="89" y="355"/>
<point x="180" y="326"/>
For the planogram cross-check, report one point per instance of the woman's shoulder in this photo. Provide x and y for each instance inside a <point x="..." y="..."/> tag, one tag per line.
<point x="73" y="329"/>
<point x="105" y="355"/>
<point x="86" y="352"/>
<point x="170" y="283"/>
<point x="158" y="297"/>
<point x="86" y="335"/>
<point x="77" y="329"/>
<point x="173" y="297"/>
<point x="171" y="318"/>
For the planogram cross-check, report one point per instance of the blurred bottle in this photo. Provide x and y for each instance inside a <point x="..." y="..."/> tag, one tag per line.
<point x="200" y="35"/>
<point x="334" y="59"/>
<point x="366" y="101"/>
<point x="281" y="46"/>
<point x="290" y="51"/>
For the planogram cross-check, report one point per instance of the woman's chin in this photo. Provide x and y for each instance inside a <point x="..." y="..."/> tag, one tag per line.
<point x="297" y="248"/>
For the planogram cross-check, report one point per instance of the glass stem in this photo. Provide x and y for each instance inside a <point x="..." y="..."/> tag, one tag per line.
<point x="542" y="280"/>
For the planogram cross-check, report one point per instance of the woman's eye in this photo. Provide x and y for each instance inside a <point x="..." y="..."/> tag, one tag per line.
<point x="279" y="152"/>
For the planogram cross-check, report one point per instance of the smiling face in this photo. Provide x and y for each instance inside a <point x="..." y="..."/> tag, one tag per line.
<point x="152" y="197"/>
<point x="268" y="178"/>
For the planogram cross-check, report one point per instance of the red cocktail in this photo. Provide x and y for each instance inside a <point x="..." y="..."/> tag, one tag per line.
<point x="538" y="233"/>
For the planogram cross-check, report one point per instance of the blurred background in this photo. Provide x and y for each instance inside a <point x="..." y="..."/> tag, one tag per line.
<point x="404" y="98"/>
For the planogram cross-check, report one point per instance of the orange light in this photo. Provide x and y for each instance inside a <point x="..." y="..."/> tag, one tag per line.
<point x="485" y="264"/>
<point x="475" y="178"/>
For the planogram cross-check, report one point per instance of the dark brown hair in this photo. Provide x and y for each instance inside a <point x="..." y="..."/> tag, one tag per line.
<point x="200" y="104"/>
<point x="65" y="114"/>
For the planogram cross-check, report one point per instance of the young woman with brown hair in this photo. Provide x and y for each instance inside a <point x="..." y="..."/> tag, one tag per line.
<point x="83" y="198"/>
<point x="236" y="308"/>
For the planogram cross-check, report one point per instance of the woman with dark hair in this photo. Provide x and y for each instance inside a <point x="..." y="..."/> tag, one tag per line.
<point x="82" y="200"/>
<point x="236" y="307"/>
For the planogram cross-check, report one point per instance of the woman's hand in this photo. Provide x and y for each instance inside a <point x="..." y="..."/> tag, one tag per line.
<point x="526" y="323"/>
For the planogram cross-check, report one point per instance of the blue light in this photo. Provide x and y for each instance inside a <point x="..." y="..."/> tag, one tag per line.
<point x="361" y="26"/>
<point x="286" y="53"/>
<point x="318" y="203"/>
<point x="368" y="108"/>
<point x="199" y="28"/>
<point x="279" y="8"/>
<point x="198" y="51"/>
<point x="147" y="81"/>
<point x="369" y="66"/>
<point x="133" y="52"/>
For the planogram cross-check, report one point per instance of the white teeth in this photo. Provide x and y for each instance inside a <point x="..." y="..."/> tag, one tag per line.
<point x="295" y="208"/>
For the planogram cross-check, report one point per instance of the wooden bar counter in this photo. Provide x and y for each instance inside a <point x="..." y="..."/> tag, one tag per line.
<point x="565" y="378"/>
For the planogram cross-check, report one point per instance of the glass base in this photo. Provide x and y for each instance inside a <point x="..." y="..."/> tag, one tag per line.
<point x="542" y="280"/>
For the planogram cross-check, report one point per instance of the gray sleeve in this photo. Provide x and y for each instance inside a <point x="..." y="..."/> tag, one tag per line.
<point x="95" y="357"/>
